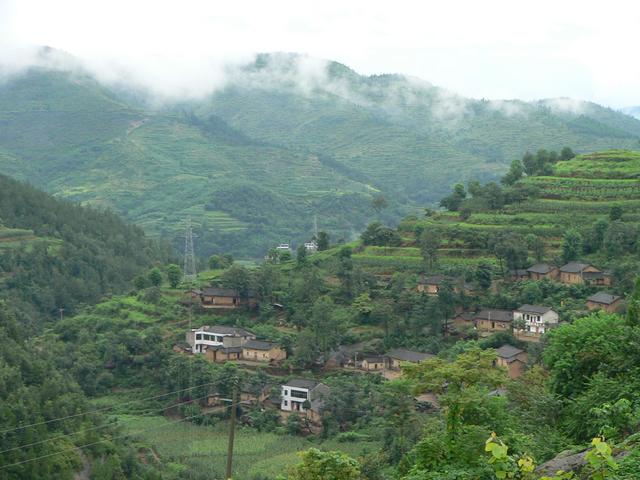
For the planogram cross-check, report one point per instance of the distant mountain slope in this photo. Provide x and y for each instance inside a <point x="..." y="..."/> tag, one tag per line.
<point x="289" y="137"/>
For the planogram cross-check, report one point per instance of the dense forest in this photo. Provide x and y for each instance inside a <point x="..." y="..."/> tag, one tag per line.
<point x="55" y="255"/>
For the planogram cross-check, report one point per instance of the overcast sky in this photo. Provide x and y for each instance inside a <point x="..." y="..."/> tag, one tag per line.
<point x="480" y="48"/>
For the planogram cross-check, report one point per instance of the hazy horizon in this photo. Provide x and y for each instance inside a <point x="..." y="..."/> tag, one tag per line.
<point x="496" y="50"/>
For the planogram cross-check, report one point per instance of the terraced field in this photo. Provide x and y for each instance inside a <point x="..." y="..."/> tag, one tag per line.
<point x="580" y="192"/>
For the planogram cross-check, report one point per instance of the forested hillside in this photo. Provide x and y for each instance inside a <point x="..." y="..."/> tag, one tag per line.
<point x="288" y="138"/>
<point x="57" y="255"/>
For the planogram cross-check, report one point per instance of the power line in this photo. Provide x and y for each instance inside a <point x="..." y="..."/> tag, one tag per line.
<point x="99" y="427"/>
<point x="95" y="443"/>
<point x="103" y="409"/>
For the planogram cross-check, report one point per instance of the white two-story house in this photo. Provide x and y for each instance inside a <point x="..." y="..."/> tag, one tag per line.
<point x="537" y="320"/>
<point x="217" y="336"/>
<point x="302" y="395"/>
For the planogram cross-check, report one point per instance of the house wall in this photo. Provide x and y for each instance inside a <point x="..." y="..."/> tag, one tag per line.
<point x="220" y="356"/>
<point x="492" y="325"/>
<point x="428" y="289"/>
<point x="551" y="275"/>
<point x="607" y="308"/>
<point x="275" y="353"/>
<point x="461" y="322"/>
<point x="366" y="365"/>
<point x="292" y="398"/>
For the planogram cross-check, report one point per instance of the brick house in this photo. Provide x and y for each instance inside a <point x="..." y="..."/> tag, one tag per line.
<point x="373" y="363"/>
<point x="512" y="358"/>
<point x="398" y="356"/>
<point x="262" y="351"/>
<point x="488" y="321"/>
<point x="575" y="273"/>
<point x="224" y="298"/>
<point x="604" y="301"/>
<point x="543" y="271"/>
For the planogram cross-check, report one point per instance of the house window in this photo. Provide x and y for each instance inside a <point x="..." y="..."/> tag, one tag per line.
<point x="286" y="392"/>
<point x="493" y="324"/>
<point x="198" y="336"/>
<point x="285" y="403"/>
<point x="299" y="394"/>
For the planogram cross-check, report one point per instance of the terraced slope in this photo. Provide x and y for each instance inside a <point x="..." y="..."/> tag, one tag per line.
<point x="581" y="191"/>
<point x="254" y="162"/>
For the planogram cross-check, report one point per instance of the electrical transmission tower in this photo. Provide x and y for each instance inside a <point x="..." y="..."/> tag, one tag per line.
<point x="189" y="267"/>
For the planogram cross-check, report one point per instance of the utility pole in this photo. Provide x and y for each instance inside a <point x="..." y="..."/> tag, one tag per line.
<point x="232" y="431"/>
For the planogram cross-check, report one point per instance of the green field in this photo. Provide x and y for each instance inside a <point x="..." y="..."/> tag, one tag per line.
<point x="202" y="450"/>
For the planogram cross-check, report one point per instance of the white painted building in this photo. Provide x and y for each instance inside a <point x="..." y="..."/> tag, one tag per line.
<point x="217" y="336"/>
<point x="537" y="319"/>
<point x="311" y="247"/>
<point x="296" y="392"/>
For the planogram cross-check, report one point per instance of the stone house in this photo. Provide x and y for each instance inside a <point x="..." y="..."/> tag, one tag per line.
<point x="543" y="271"/>
<point x="397" y="356"/>
<point x="488" y="321"/>
<point x="575" y="273"/>
<point x="262" y="351"/>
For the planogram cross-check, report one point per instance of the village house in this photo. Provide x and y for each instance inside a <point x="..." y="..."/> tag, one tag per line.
<point x="249" y="395"/>
<point x="459" y="323"/>
<point x="261" y="351"/>
<point x="542" y="271"/>
<point x="604" y="301"/>
<point x="512" y="358"/>
<point x="490" y="320"/>
<point x="518" y="274"/>
<point x="535" y="321"/>
<point x="222" y="343"/>
<point x="205" y="337"/>
<point x="311" y="247"/>
<point x="432" y="285"/>
<point x="398" y="356"/>
<point x="374" y="363"/>
<point x="575" y="273"/>
<point x="598" y="279"/>
<point x="224" y="298"/>
<point x="303" y="396"/>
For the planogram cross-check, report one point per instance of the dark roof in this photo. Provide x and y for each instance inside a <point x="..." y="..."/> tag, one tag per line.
<point x="520" y="272"/>
<point x="495" y="315"/>
<point x="259" y="345"/>
<point x="224" y="292"/>
<point x="542" y="268"/>
<point x="374" y="359"/>
<point x="434" y="280"/>
<point x="574" y="267"/>
<point x="302" y="383"/>
<point x="603" y="298"/>
<point x="541" y="309"/>
<point x="226" y="330"/>
<point x="318" y="397"/>
<point x="465" y="315"/>
<point x="408" y="355"/>
<point x="220" y="348"/>
<point x="508" y="351"/>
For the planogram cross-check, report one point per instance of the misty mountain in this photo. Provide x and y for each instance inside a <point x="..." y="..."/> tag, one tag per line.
<point x="287" y="137"/>
<point x="632" y="111"/>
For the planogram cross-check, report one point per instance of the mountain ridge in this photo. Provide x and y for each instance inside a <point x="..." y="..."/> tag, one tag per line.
<point x="310" y="132"/>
